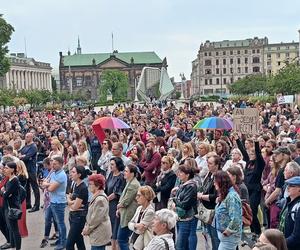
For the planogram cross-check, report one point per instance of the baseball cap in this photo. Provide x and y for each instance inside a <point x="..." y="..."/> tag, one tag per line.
<point x="294" y="181"/>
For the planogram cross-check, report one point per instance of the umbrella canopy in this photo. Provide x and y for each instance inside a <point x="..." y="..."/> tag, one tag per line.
<point x="214" y="123"/>
<point x="107" y="123"/>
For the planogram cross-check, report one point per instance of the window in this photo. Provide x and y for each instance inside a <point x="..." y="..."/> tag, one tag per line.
<point x="224" y="80"/>
<point x="231" y="79"/>
<point x="253" y="51"/>
<point x="231" y="70"/>
<point x="231" y="52"/>
<point x="278" y="63"/>
<point x="207" y="63"/>
<point x="217" y="71"/>
<point x="224" y="61"/>
<point x="256" y="69"/>
<point x="239" y="60"/>
<point x="258" y="51"/>
<point x="206" y="81"/>
<point x="205" y="54"/>
<point x="207" y="71"/>
<point x="246" y="51"/>
<point x="239" y="70"/>
<point x="78" y="81"/>
<point x="246" y="69"/>
<point x="209" y="53"/>
<point x="238" y="52"/>
<point x="231" y="60"/>
<point x="269" y="55"/>
<point x="217" y="81"/>
<point x="224" y="53"/>
<point x="255" y="60"/>
<point x="246" y="60"/>
<point x="210" y="81"/>
<point x="217" y="62"/>
<point x="88" y="80"/>
<point x="224" y="70"/>
<point x="287" y="54"/>
<point x="217" y="53"/>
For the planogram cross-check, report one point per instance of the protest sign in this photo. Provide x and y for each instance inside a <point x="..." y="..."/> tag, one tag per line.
<point x="285" y="99"/>
<point x="246" y="120"/>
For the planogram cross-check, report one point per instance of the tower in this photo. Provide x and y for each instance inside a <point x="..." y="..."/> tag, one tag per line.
<point x="78" y="47"/>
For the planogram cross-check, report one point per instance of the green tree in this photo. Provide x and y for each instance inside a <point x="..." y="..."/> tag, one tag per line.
<point x="252" y="84"/>
<point x="286" y="81"/>
<point x="6" y="98"/>
<point x="6" y="31"/>
<point x="114" y="82"/>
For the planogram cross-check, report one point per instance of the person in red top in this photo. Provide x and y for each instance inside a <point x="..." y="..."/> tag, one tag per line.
<point x="150" y="163"/>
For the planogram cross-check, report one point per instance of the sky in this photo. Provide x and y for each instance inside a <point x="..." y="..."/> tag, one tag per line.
<point x="172" y="28"/>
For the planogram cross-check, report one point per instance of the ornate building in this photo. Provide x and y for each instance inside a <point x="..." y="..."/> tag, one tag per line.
<point x="26" y="73"/>
<point x="82" y="72"/>
<point x="221" y="63"/>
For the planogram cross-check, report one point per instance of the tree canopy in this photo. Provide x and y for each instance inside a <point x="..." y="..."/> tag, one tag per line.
<point x="114" y="82"/>
<point x="6" y="31"/>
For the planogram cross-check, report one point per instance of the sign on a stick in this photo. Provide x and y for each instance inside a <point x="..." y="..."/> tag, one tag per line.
<point x="246" y="120"/>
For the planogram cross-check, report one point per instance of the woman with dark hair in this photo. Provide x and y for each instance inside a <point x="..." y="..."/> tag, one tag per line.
<point x="274" y="237"/>
<point x="186" y="208"/>
<point x="78" y="205"/>
<point x="228" y="212"/>
<point x="71" y="158"/>
<point x="236" y="176"/>
<point x="104" y="160"/>
<point x="10" y="195"/>
<point x="255" y="165"/>
<point x="127" y="204"/>
<point x="98" y="226"/>
<point x="115" y="184"/>
<point x="222" y="149"/>
<point x="67" y="143"/>
<point x="209" y="195"/>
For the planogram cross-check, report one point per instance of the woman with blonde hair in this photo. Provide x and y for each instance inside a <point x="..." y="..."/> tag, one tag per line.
<point x="187" y="152"/>
<point x="22" y="175"/>
<point x="83" y="150"/>
<point x="141" y="221"/>
<point x="56" y="148"/>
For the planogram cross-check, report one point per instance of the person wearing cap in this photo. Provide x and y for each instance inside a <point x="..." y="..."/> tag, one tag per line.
<point x="290" y="214"/>
<point x="282" y="157"/>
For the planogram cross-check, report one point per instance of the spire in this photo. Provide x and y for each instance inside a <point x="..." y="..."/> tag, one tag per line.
<point x="78" y="47"/>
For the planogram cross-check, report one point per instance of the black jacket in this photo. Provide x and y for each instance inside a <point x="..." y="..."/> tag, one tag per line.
<point x="209" y="188"/>
<point x="292" y="223"/>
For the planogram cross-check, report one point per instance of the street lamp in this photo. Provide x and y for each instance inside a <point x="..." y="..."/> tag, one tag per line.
<point x="183" y="79"/>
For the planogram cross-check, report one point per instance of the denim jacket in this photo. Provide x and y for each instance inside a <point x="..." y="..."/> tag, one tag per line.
<point x="228" y="214"/>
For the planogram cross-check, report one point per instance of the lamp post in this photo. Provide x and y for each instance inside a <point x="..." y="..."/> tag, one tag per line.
<point x="183" y="79"/>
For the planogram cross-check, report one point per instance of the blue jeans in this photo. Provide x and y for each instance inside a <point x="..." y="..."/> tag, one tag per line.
<point x="186" y="235"/>
<point x="228" y="242"/>
<point x="213" y="236"/>
<point x="48" y="222"/>
<point x="58" y="211"/>
<point x="97" y="247"/>
<point x="123" y="238"/>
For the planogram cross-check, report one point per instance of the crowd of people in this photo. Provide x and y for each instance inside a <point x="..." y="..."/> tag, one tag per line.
<point x="155" y="185"/>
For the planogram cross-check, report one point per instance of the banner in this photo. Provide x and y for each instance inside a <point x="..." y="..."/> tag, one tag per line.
<point x="285" y="99"/>
<point x="246" y="120"/>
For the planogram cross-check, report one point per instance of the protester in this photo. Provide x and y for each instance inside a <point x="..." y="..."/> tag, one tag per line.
<point x="274" y="237"/>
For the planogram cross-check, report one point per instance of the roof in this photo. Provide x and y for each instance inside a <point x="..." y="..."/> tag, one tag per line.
<point x="87" y="59"/>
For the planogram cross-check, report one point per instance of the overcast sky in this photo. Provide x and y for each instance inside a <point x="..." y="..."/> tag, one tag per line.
<point x="172" y="28"/>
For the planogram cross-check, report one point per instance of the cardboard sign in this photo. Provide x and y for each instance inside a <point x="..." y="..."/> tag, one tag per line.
<point x="246" y="121"/>
<point x="285" y="99"/>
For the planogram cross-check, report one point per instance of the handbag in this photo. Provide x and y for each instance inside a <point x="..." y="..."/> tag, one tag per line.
<point x="247" y="214"/>
<point x="204" y="214"/>
<point x="14" y="213"/>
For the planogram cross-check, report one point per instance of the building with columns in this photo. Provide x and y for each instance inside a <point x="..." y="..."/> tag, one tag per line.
<point x="82" y="72"/>
<point x="26" y="73"/>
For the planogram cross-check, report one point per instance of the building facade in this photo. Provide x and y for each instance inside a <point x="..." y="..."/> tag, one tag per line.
<point x="278" y="55"/>
<point x="219" y="64"/>
<point x="26" y="73"/>
<point x="82" y="72"/>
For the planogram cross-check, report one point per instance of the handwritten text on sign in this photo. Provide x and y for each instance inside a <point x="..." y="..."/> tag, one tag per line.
<point x="246" y="120"/>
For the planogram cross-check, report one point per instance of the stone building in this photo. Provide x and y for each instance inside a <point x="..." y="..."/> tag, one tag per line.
<point x="221" y="63"/>
<point x="26" y="73"/>
<point x="82" y="72"/>
<point x="277" y="55"/>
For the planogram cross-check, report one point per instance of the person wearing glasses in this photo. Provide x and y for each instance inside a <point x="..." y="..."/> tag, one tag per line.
<point x="104" y="160"/>
<point x="142" y="219"/>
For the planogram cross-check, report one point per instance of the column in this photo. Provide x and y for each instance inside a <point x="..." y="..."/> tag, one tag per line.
<point x="35" y="85"/>
<point x="11" y="79"/>
<point x="18" y="80"/>
<point x="29" y="80"/>
<point x="44" y="81"/>
<point x="22" y="79"/>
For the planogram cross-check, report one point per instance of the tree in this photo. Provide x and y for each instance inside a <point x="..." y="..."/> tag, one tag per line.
<point x="252" y="84"/>
<point x="114" y="82"/>
<point x="287" y="80"/>
<point x="6" y="31"/>
<point x="6" y="99"/>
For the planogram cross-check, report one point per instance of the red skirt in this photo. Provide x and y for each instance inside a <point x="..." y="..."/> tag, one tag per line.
<point x="22" y="222"/>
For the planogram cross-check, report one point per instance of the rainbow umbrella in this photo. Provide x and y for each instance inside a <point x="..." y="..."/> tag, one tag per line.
<point x="214" y="123"/>
<point x="107" y="123"/>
